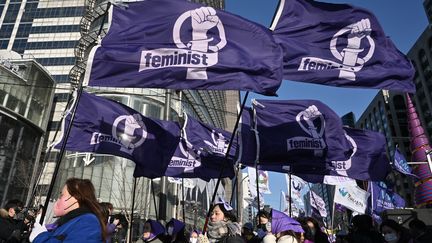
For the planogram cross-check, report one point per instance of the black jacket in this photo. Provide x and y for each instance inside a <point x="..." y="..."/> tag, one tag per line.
<point x="11" y="230"/>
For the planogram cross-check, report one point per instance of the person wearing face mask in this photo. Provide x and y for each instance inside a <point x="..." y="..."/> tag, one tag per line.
<point x="284" y="229"/>
<point x="223" y="226"/>
<point x="153" y="232"/>
<point x="263" y="223"/>
<point x="11" y="227"/>
<point x="79" y="216"/>
<point x="175" y="232"/>
<point x="315" y="231"/>
<point x="394" y="232"/>
<point x="194" y="236"/>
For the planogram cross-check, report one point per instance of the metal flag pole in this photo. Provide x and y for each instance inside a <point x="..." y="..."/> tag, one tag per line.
<point x="289" y="194"/>
<point x="183" y="202"/>
<point x="226" y="157"/>
<point x="154" y="198"/>
<point x="132" y="209"/>
<point x="257" y="157"/>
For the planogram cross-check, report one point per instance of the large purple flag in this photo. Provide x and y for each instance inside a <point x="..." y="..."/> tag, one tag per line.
<point x="368" y="160"/>
<point x="338" y="45"/>
<point x="299" y="131"/>
<point x="384" y="198"/>
<point x="182" y="45"/>
<point x="107" y="127"/>
<point x="247" y="138"/>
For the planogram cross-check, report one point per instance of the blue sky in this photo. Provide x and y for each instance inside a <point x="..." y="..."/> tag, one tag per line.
<point x="403" y="21"/>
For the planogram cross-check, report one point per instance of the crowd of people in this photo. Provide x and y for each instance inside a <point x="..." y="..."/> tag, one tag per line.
<point x="81" y="218"/>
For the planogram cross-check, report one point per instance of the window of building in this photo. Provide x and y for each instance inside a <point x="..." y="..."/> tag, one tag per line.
<point x="54" y="125"/>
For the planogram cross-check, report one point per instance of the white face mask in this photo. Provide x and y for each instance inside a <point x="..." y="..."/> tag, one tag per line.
<point x="391" y="237"/>
<point x="193" y="240"/>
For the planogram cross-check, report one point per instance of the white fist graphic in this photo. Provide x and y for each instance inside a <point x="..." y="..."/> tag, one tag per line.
<point x="203" y="19"/>
<point x="311" y="113"/>
<point x="359" y="30"/>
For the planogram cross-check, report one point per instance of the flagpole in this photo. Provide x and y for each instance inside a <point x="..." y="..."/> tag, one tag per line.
<point x="257" y="185"/>
<point x="154" y="198"/>
<point x="257" y="157"/>
<point x="132" y="209"/>
<point x="183" y="200"/>
<point x="226" y="156"/>
<point x="333" y="213"/>
<point x="289" y="193"/>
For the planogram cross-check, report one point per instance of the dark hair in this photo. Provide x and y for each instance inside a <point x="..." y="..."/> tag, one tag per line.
<point x="105" y="208"/>
<point x="230" y="215"/>
<point x="362" y="222"/>
<point x="84" y="192"/>
<point x="13" y="204"/>
<point x="418" y="224"/>
<point x="402" y="231"/>
<point x="264" y="213"/>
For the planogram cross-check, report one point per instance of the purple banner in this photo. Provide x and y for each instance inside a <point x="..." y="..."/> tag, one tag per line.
<point x="338" y="45"/>
<point x="182" y="45"/>
<point x="104" y="126"/>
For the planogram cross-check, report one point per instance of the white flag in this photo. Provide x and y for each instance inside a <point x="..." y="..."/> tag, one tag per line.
<point x="263" y="180"/>
<point x="339" y="180"/>
<point x="351" y="197"/>
<point x="318" y="203"/>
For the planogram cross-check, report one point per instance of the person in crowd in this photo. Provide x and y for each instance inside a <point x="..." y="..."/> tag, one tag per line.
<point x="175" y="231"/>
<point x="194" y="236"/>
<point x="362" y="230"/>
<point x="419" y="231"/>
<point x="107" y="209"/>
<point x="307" y="236"/>
<point x="79" y="216"/>
<point x="223" y="226"/>
<point x="283" y="229"/>
<point x="248" y="233"/>
<point x="263" y="223"/>
<point x="394" y="232"/>
<point x="153" y="232"/>
<point x="11" y="225"/>
<point x="315" y="231"/>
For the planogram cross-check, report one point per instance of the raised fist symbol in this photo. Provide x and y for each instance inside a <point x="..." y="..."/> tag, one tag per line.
<point x="203" y="19"/>
<point x="311" y="113"/>
<point x="359" y="30"/>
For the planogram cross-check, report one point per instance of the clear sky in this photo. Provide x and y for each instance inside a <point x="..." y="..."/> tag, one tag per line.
<point x="403" y="21"/>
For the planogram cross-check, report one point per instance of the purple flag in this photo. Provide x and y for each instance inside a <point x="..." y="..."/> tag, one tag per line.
<point x="247" y="138"/>
<point x="338" y="45"/>
<point x="305" y="131"/>
<point x="401" y="165"/>
<point x="384" y="198"/>
<point x="209" y="145"/>
<point x="182" y="45"/>
<point x="107" y="127"/>
<point x="187" y="162"/>
<point x="368" y="160"/>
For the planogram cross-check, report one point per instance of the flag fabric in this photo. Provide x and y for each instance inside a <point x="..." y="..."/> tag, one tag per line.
<point x="318" y="203"/>
<point x="401" y="165"/>
<point x="297" y="131"/>
<point x="338" y="45"/>
<point x="187" y="162"/>
<point x="104" y="126"/>
<point x="383" y="197"/>
<point x="297" y="192"/>
<point x="247" y="138"/>
<point x="186" y="182"/>
<point x="368" y="160"/>
<point x="176" y="44"/>
<point x="263" y="180"/>
<point x="339" y="180"/>
<point x="352" y="197"/>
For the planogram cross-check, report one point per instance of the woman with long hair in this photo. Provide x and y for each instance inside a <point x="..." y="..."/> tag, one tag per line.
<point x="79" y="215"/>
<point x="223" y="226"/>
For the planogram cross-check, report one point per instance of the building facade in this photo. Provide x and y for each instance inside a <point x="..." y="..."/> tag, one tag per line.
<point x="26" y="93"/>
<point x="387" y="114"/>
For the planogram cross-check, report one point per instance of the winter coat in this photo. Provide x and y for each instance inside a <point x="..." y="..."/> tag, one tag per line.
<point x="11" y="229"/>
<point x="79" y="225"/>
